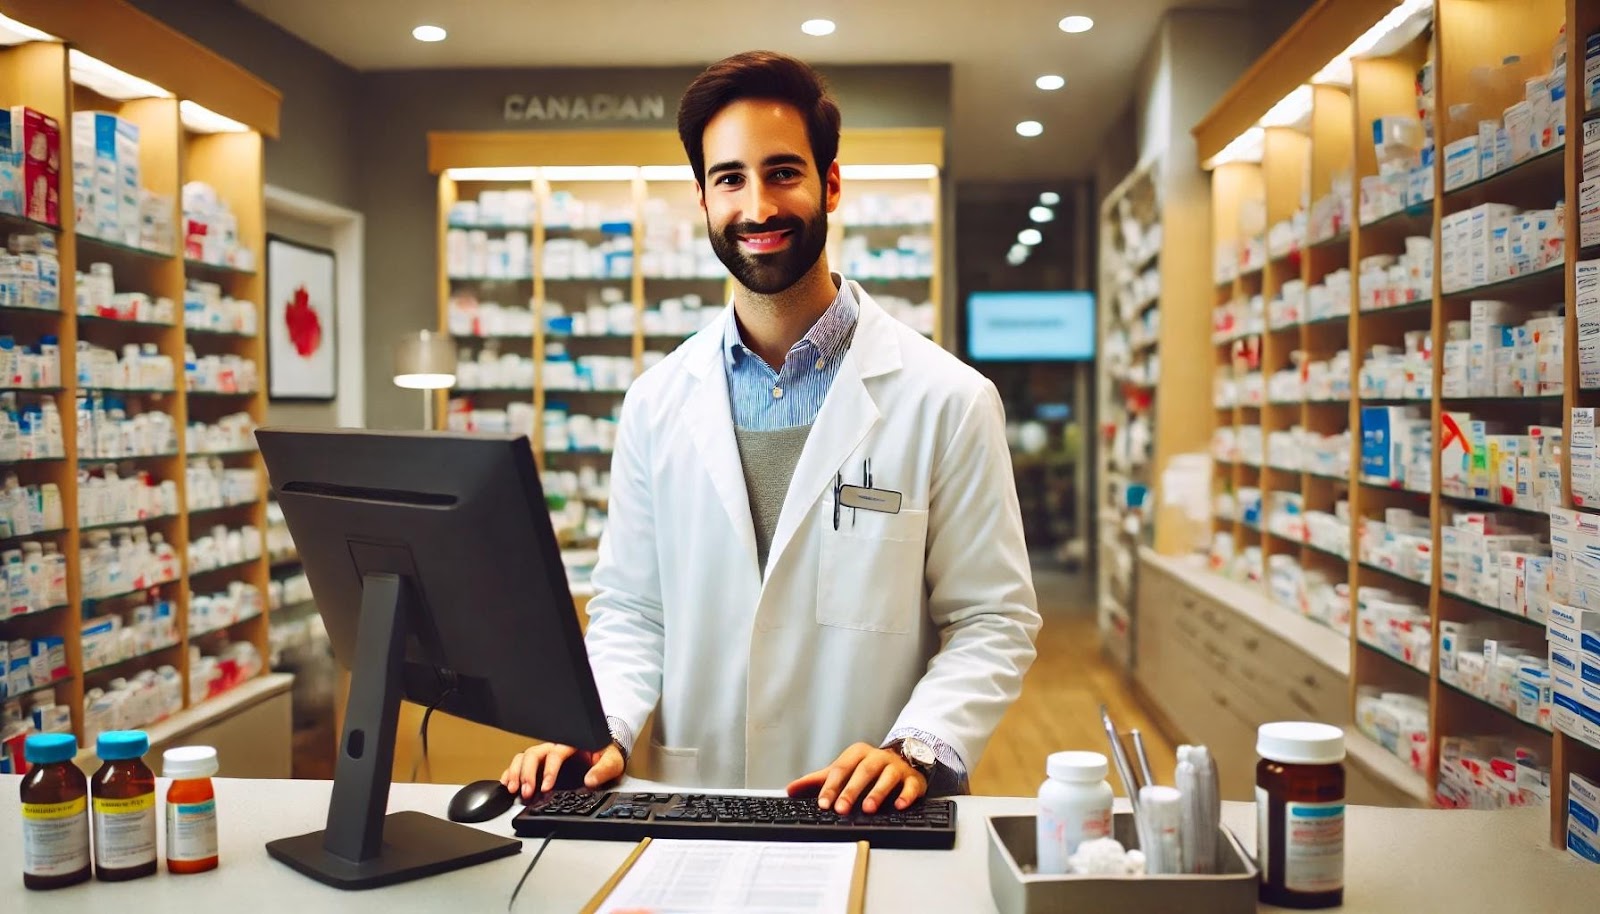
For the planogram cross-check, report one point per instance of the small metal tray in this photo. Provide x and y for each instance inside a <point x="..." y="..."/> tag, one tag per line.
<point x="1012" y="848"/>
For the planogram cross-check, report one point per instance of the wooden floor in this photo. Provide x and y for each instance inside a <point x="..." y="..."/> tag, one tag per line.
<point x="1059" y="708"/>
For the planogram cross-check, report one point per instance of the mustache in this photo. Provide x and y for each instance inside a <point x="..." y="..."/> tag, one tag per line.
<point x="775" y="224"/>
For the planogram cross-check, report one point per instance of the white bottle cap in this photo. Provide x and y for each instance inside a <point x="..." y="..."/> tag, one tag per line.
<point x="1300" y="743"/>
<point x="1077" y="767"/>
<point x="189" y="762"/>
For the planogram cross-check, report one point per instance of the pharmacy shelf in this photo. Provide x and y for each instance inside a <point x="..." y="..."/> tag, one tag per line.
<point x="1327" y="320"/>
<point x="106" y="246"/>
<point x="202" y="632"/>
<point x="17" y="221"/>
<point x="230" y="165"/>
<point x="33" y="612"/>
<point x="35" y="460"/>
<point x="218" y="569"/>
<point x="96" y="320"/>
<point x="133" y="592"/>
<point x="10" y="696"/>
<point x="222" y="394"/>
<point x="203" y="713"/>
<point x="1386" y="765"/>
<point x="217" y="509"/>
<point x="214" y="269"/>
<point x="1535" y="174"/>
<point x="17" y="537"/>
<point x="1330" y="154"/>
<point x="1395" y="657"/>
<point x="1393" y="574"/>
<point x="110" y="525"/>
<point x="505" y="227"/>
<point x="30" y="390"/>
<point x="204" y="332"/>
<point x="20" y="311"/>
<point x="1488" y="607"/>
<point x="1546" y="282"/>
<point x="1511" y="715"/>
<point x="1327" y="552"/>
<point x="1484" y="505"/>
<point x="133" y="658"/>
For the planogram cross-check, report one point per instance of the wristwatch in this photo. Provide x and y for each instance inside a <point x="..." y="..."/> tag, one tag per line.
<point x="918" y="754"/>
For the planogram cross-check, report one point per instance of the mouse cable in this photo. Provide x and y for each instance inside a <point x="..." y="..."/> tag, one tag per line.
<point x="416" y="764"/>
<point x="537" y="854"/>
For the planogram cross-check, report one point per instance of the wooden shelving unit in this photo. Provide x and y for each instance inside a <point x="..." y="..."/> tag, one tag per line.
<point x="182" y="77"/>
<point x="1464" y="42"/>
<point x="629" y="194"/>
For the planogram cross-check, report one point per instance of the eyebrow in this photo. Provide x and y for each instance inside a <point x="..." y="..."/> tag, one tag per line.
<point x="782" y="158"/>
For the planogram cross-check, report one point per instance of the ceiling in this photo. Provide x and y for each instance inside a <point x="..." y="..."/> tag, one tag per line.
<point x="994" y="59"/>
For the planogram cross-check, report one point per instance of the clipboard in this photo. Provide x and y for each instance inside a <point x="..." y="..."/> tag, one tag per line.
<point x="858" y="879"/>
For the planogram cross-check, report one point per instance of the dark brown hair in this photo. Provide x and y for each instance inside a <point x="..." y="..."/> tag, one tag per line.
<point x="763" y="75"/>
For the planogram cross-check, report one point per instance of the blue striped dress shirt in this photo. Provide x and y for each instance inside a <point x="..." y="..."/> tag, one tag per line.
<point x="765" y="400"/>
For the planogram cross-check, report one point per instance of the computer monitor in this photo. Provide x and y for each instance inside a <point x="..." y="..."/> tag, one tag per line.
<point x="435" y="567"/>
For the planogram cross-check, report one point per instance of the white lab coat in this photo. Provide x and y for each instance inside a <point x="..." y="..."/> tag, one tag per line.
<point x="922" y="619"/>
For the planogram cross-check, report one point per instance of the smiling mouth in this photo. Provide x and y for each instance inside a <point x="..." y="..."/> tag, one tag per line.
<point x="764" y="242"/>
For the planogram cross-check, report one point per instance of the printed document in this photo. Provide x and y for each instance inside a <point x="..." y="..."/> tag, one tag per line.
<point x="747" y="877"/>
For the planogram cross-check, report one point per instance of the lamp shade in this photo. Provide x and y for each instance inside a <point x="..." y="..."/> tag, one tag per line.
<point x="425" y="361"/>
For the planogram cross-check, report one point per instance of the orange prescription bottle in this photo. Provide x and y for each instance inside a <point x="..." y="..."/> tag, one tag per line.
<point x="124" y="808"/>
<point x="55" y="814"/>
<point x="191" y="809"/>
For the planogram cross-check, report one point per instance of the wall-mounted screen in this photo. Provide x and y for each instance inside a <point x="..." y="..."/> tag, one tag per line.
<point x="1054" y="326"/>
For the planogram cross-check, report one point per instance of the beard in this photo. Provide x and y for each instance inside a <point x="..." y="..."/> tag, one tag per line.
<point x="769" y="274"/>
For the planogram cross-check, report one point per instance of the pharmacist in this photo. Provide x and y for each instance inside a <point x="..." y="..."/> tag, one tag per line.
<point x="814" y="571"/>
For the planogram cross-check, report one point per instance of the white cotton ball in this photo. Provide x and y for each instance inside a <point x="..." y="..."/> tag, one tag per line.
<point x="1098" y="857"/>
<point x="1135" y="863"/>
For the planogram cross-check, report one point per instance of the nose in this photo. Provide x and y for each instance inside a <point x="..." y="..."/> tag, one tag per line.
<point x="759" y="205"/>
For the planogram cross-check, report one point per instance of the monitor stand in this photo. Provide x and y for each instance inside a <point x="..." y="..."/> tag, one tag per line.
<point x="362" y="848"/>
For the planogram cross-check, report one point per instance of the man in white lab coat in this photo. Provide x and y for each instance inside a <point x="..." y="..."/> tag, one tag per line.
<point x="814" y="574"/>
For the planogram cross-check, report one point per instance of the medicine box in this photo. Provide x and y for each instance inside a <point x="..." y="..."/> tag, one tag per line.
<point x="38" y="136"/>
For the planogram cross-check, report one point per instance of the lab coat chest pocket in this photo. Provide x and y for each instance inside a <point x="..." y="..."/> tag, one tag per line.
<point x="870" y="570"/>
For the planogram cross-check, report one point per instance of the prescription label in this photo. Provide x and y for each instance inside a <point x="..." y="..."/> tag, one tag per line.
<point x="55" y="838"/>
<point x="192" y="831"/>
<point x="1313" y="847"/>
<point x="125" y="832"/>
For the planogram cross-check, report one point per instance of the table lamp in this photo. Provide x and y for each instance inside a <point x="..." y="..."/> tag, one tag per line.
<point x="425" y="361"/>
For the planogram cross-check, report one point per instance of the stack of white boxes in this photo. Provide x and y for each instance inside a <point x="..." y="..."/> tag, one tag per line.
<point x="1495" y="242"/>
<point x="1494" y="354"/>
<point x="1534" y="125"/>
<point x="1397" y="447"/>
<point x="1492" y="560"/>
<point x="107" y="185"/>
<point x="1588" y="308"/>
<point x="1585" y="484"/>
<point x="1589" y="189"/>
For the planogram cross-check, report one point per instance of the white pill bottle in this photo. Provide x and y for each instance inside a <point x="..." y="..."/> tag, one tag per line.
<point x="1074" y="807"/>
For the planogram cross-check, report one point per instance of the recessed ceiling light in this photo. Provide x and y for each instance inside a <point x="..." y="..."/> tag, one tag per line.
<point x="818" y="27"/>
<point x="1030" y="236"/>
<point x="1050" y="82"/>
<point x="1073" y="25"/>
<point x="1041" y="214"/>
<point x="1049" y="198"/>
<point x="1030" y="128"/>
<point x="428" y="33"/>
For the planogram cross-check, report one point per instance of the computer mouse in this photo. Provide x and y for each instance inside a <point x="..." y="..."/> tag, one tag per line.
<point x="480" y="801"/>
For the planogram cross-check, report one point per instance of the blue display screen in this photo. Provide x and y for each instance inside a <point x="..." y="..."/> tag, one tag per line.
<point x="1030" y="326"/>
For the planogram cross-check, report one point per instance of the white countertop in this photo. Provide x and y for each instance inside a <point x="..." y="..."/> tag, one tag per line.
<point x="1410" y="861"/>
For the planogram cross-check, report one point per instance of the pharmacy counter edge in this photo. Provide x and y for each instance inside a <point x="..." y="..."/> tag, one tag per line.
<point x="1397" y="860"/>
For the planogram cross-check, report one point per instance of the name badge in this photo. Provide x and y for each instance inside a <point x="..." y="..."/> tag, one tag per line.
<point x="881" y="500"/>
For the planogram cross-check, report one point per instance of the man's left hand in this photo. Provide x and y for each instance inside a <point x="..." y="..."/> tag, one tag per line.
<point x="863" y="769"/>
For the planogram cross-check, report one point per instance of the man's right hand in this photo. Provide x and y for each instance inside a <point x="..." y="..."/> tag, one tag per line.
<point x="535" y="770"/>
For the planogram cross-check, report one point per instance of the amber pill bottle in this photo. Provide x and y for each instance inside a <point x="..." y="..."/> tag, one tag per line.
<point x="55" y="814"/>
<point x="191" y="809"/>
<point x="1300" y="814"/>
<point x="124" y="801"/>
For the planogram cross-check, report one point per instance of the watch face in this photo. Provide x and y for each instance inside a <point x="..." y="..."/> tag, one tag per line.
<point x="918" y="752"/>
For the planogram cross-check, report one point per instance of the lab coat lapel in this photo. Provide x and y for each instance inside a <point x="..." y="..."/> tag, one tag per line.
<point x="709" y="416"/>
<point x="847" y="415"/>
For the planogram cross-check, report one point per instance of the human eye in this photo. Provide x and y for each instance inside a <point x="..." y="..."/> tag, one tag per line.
<point x="728" y="180"/>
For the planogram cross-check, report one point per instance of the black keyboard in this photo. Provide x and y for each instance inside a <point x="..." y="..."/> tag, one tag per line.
<point x="930" y="824"/>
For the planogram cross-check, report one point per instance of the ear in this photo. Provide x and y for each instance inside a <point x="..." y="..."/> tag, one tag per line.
<point x="831" y="186"/>
<point x="700" y="195"/>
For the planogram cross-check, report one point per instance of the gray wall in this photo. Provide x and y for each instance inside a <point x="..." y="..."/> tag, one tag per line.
<point x="399" y="196"/>
<point x="316" y="151"/>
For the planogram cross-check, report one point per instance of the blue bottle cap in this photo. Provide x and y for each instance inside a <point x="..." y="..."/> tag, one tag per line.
<point x="119" y="745"/>
<point x="49" y="748"/>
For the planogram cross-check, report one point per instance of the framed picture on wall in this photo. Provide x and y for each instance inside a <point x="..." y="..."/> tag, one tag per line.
<point x="301" y="330"/>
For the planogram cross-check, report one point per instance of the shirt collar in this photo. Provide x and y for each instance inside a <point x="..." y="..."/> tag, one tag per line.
<point x="829" y="336"/>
